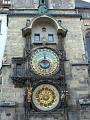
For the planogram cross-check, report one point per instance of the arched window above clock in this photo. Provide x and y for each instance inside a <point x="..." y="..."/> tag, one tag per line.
<point x="87" y="41"/>
<point x="43" y="22"/>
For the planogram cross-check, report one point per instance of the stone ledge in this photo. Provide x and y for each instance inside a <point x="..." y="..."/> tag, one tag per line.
<point x="6" y="64"/>
<point x="80" y="64"/>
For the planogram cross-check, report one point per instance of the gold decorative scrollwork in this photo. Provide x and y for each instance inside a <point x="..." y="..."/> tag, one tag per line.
<point x="46" y="97"/>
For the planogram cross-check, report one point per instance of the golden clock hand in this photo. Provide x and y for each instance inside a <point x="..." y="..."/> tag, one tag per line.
<point x="44" y="56"/>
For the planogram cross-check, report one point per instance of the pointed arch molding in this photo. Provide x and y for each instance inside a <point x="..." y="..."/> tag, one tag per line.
<point x="60" y="30"/>
<point x="87" y="43"/>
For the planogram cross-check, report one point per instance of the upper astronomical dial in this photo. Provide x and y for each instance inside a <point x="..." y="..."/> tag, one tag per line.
<point x="44" y="62"/>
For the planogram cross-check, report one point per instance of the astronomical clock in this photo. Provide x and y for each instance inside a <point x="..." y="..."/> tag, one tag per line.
<point x="46" y="95"/>
<point x="44" y="62"/>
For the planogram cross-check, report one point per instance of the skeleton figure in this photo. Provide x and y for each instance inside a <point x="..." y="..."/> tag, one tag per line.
<point x="29" y="94"/>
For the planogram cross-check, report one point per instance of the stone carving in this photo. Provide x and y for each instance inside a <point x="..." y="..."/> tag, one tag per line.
<point x="28" y="23"/>
<point x="29" y="90"/>
<point x="84" y="101"/>
<point x="61" y="4"/>
<point x="42" y="7"/>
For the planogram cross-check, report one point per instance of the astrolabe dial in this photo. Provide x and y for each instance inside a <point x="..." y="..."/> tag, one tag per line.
<point x="46" y="97"/>
<point x="44" y="62"/>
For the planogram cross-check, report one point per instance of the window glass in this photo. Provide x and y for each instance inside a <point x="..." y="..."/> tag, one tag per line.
<point x="6" y="1"/>
<point x="42" y="1"/>
<point x="87" y="37"/>
<point x="19" y="70"/>
<point x="36" y="37"/>
<point x="50" y="38"/>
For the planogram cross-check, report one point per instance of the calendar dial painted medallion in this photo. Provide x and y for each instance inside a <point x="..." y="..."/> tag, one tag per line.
<point x="46" y="97"/>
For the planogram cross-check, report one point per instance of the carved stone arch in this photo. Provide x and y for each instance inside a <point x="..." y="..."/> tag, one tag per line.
<point x="86" y="31"/>
<point x="60" y="30"/>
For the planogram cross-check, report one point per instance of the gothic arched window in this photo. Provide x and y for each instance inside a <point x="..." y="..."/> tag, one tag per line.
<point x="87" y="38"/>
<point x="43" y="1"/>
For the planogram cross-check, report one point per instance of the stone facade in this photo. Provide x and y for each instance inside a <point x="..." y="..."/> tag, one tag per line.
<point x="59" y="4"/>
<point x="76" y="62"/>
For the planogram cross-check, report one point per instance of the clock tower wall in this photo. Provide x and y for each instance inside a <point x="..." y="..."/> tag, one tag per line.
<point x="75" y="66"/>
<point x="61" y="4"/>
<point x="52" y="4"/>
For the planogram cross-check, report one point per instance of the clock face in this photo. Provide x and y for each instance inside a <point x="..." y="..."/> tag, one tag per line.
<point x="44" y="62"/>
<point x="43" y="9"/>
<point x="46" y="97"/>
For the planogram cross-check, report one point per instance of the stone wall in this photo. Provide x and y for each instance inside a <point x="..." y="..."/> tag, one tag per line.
<point x="9" y="93"/>
<point x="85" y="113"/>
<point x="15" y="42"/>
<point x="62" y="4"/>
<point x="74" y="48"/>
<point x="53" y="4"/>
<point x="75" y="67"/>
<point x="74" y="45"/>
